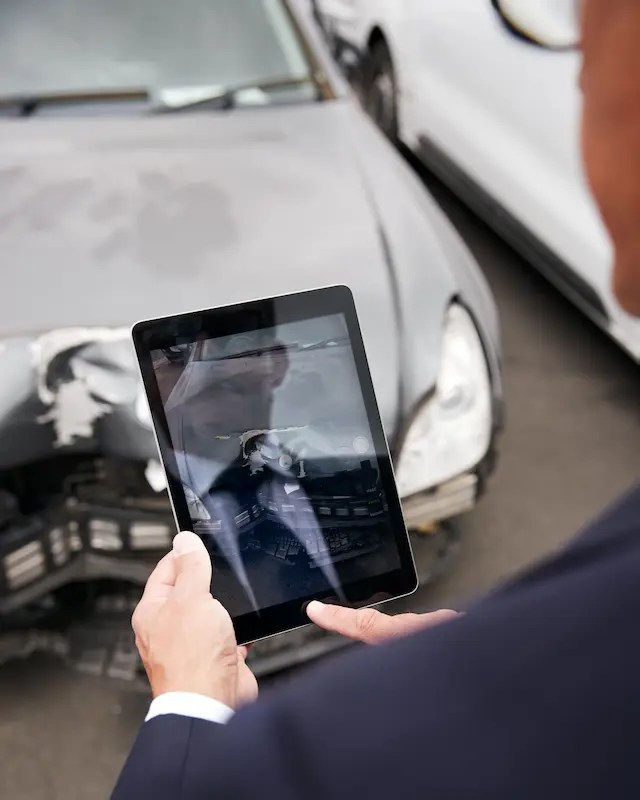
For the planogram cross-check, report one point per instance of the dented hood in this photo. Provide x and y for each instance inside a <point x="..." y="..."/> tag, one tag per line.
<point x="107" y="221"/>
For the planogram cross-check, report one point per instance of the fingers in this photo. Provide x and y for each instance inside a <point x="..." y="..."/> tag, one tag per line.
<point x="192" y="565"/>
<point x="410" y="623"/>
<point x="369" y="625"/>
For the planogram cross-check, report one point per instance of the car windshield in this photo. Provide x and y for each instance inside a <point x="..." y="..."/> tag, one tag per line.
<point x="185" y="49"/>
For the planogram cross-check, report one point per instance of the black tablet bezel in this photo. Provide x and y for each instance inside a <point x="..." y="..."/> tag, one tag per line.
<point x="254" y="315"/>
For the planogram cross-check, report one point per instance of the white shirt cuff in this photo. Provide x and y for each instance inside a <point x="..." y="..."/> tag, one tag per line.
<point x="188" y="704"/>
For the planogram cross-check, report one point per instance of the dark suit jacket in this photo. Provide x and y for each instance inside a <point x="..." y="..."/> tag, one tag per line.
<point x="534" y="693"/>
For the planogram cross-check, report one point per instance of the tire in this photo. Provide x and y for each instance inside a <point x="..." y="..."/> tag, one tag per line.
<point x="379" y="89"/>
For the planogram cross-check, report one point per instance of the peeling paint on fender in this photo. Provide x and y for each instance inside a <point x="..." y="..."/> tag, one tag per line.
<point x="73" y="413"/>
<point x="76" y="390"/>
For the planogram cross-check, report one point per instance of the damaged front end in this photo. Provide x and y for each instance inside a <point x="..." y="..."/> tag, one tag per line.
<point x="84" y="515"/>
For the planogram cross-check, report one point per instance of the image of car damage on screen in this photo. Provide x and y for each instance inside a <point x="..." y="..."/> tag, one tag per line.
<point x="275" y="455"/>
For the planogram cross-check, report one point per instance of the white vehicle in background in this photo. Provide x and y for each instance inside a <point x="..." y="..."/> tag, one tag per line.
<point x="494" y="118"/>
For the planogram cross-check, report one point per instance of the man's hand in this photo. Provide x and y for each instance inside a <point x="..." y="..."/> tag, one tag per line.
<point x="185" y="638"/>
<point x="371" y="626"/>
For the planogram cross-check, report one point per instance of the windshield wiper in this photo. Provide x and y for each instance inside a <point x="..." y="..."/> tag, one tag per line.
<point x="170" y="100"/>
<point x="222" y="98"/>
<point x="27" y="104"/>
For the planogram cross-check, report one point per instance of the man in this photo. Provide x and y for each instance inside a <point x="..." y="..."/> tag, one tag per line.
<point x="534" y="693"/>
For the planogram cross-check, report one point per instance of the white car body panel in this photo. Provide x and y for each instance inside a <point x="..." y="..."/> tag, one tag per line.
<point x="507" y="114"/>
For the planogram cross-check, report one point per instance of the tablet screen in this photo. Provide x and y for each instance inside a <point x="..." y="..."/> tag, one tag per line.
<point x="273" y="450"/>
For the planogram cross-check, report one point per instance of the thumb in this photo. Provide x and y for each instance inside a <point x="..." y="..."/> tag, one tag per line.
<point x="193" y="564"/>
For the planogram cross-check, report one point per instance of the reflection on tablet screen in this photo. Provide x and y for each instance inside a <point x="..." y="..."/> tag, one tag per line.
<point x="274" y="451"/>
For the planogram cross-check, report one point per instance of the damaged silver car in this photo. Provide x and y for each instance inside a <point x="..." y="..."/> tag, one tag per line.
<point x="160" y="157"/>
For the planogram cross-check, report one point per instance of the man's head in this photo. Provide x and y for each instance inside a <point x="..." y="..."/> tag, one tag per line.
<point x="609" y="31"/>
<point x="229" y="386"/>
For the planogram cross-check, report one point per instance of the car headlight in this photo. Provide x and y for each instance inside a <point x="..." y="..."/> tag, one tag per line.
<point x="452" y="430"/>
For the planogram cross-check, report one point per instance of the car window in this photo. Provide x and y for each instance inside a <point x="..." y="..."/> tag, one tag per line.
<point x="66" y="46"/>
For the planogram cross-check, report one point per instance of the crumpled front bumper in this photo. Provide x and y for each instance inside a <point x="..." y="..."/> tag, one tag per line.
<point x="98" y="641"/>
<point x="79" y="542"/>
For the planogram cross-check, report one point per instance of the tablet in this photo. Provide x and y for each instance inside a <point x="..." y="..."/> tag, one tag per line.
<point x="274" y="452"/>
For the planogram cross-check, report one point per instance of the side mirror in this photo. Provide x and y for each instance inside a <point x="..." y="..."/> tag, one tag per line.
<point x="554" y="24"/>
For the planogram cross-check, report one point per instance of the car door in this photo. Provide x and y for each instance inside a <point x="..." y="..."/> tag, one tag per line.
<point x="507" y="114"/>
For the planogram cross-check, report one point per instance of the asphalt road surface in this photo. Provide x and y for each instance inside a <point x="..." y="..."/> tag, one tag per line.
<point x="570" y="447"/>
